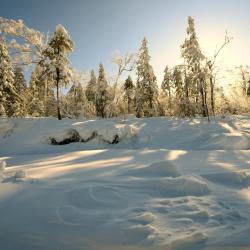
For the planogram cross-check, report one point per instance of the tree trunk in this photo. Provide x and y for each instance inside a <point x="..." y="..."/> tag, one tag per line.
<point x="45" y="97"/>
<point x="212" y="94"/>
<point x="204" y="100"/>
<point x="170" y="102"/>
<point x="187" y="103"/>
<point x="129" y="103"/>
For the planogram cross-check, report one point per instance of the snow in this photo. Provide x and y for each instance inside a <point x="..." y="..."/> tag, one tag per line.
<point x="167" y="184"/>
<point x="2" y="168"/>
<point x="20" y="174"/>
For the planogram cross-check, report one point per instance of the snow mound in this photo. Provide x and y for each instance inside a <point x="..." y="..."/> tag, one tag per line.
<point x="144" y="218"/>
<point x="193" y="241"/>
<point x="191" y="185"/>
<point x="111" y="133"/>
<point x="2" y="167"/>
<point x="235" y="178"/>
<point x="174" y="187"/>
<point x="141" y="235"/>
<point x="157" y="169"/>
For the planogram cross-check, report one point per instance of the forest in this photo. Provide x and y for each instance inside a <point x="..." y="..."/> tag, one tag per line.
<point x="52" y="87"/>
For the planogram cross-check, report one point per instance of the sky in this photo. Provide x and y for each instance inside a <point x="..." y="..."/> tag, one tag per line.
<point x="101" y="27"/>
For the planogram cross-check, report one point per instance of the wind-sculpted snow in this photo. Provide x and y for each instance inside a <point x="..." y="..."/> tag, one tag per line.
<point x="20" y="135"/>
<point x="137" y="194"/>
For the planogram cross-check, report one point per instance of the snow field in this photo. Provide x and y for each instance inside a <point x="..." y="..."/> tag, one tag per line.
<point x="136" y="194"/>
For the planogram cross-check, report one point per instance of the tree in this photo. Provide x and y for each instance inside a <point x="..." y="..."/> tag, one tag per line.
<point x="129" y="92"/>
<point x="21" y="90"/>
<point x="8" y="96"/>
<point x="102" y="93"/>
<point x="20" y="83"/>
<point x="146" y="89"/>
<point x="36" y="97"/>
<point x="28" y="47"/>
<point x="166" y="86"/>
<point x="194" y="77"/>
<point x="76" y="95"/>
<point x="211" y="67"/>
<point x="123" y="63"/>
<point x="59" y="46"/>
<point x="91" y="87"/>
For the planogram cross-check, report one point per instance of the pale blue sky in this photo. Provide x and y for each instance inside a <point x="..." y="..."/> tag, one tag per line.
<point x="99" y="27"/>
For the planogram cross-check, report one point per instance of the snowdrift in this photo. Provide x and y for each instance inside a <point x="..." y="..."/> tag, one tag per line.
<point x="20" y="135"/>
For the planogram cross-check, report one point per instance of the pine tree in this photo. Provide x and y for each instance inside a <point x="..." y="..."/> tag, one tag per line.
<point x="59" y="46"/>
<point x="91" y="88"/>
<point x="102" y="93"/>
<point x="129" y="93"/>
<point x="8" y="95"/>
<point x="146" y="89"/>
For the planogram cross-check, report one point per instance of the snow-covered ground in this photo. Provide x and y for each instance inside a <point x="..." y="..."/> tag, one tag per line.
<point x="167" y="184"/>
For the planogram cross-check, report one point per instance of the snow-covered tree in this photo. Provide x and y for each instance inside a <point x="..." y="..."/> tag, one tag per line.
<point x="178" y="85"/>
<point x="20" y="83"/>
<point x="36" y="97"/>
<point x="59" y="46"/>
<point x="129" y="89"/>
<point x="166" y="86"/>
<point x="124" y="63"/>
<point x="91" y="87"/>
<point x="146" y="89"/>
<point x="8" y="96"/>
<point x="195" y="83"/>
<point x="76" y="95"/>
<point x="20" y="105"/>
<point x="102" y="93"/>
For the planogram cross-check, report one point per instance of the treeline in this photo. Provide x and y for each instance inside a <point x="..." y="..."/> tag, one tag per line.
<point x="187" y="90"/>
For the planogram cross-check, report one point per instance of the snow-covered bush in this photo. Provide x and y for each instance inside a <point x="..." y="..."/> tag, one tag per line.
<point x="65" y="136"/>
<point x="110" y="132"/>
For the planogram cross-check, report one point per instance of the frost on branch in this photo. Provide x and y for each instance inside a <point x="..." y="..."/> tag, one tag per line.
<point x="30" y="44"/>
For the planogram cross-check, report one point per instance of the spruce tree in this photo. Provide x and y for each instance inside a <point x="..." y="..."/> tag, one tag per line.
<point x="91" y="88"/>
<point x="146" y="89"/>
<point x="129" y="93"/>
<point x="59" y="46"/>
<point x="20" y="83"/>
<point x="8" y="96"/>
<point x="102" y="93"/>
<point x="195" y="83"/>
